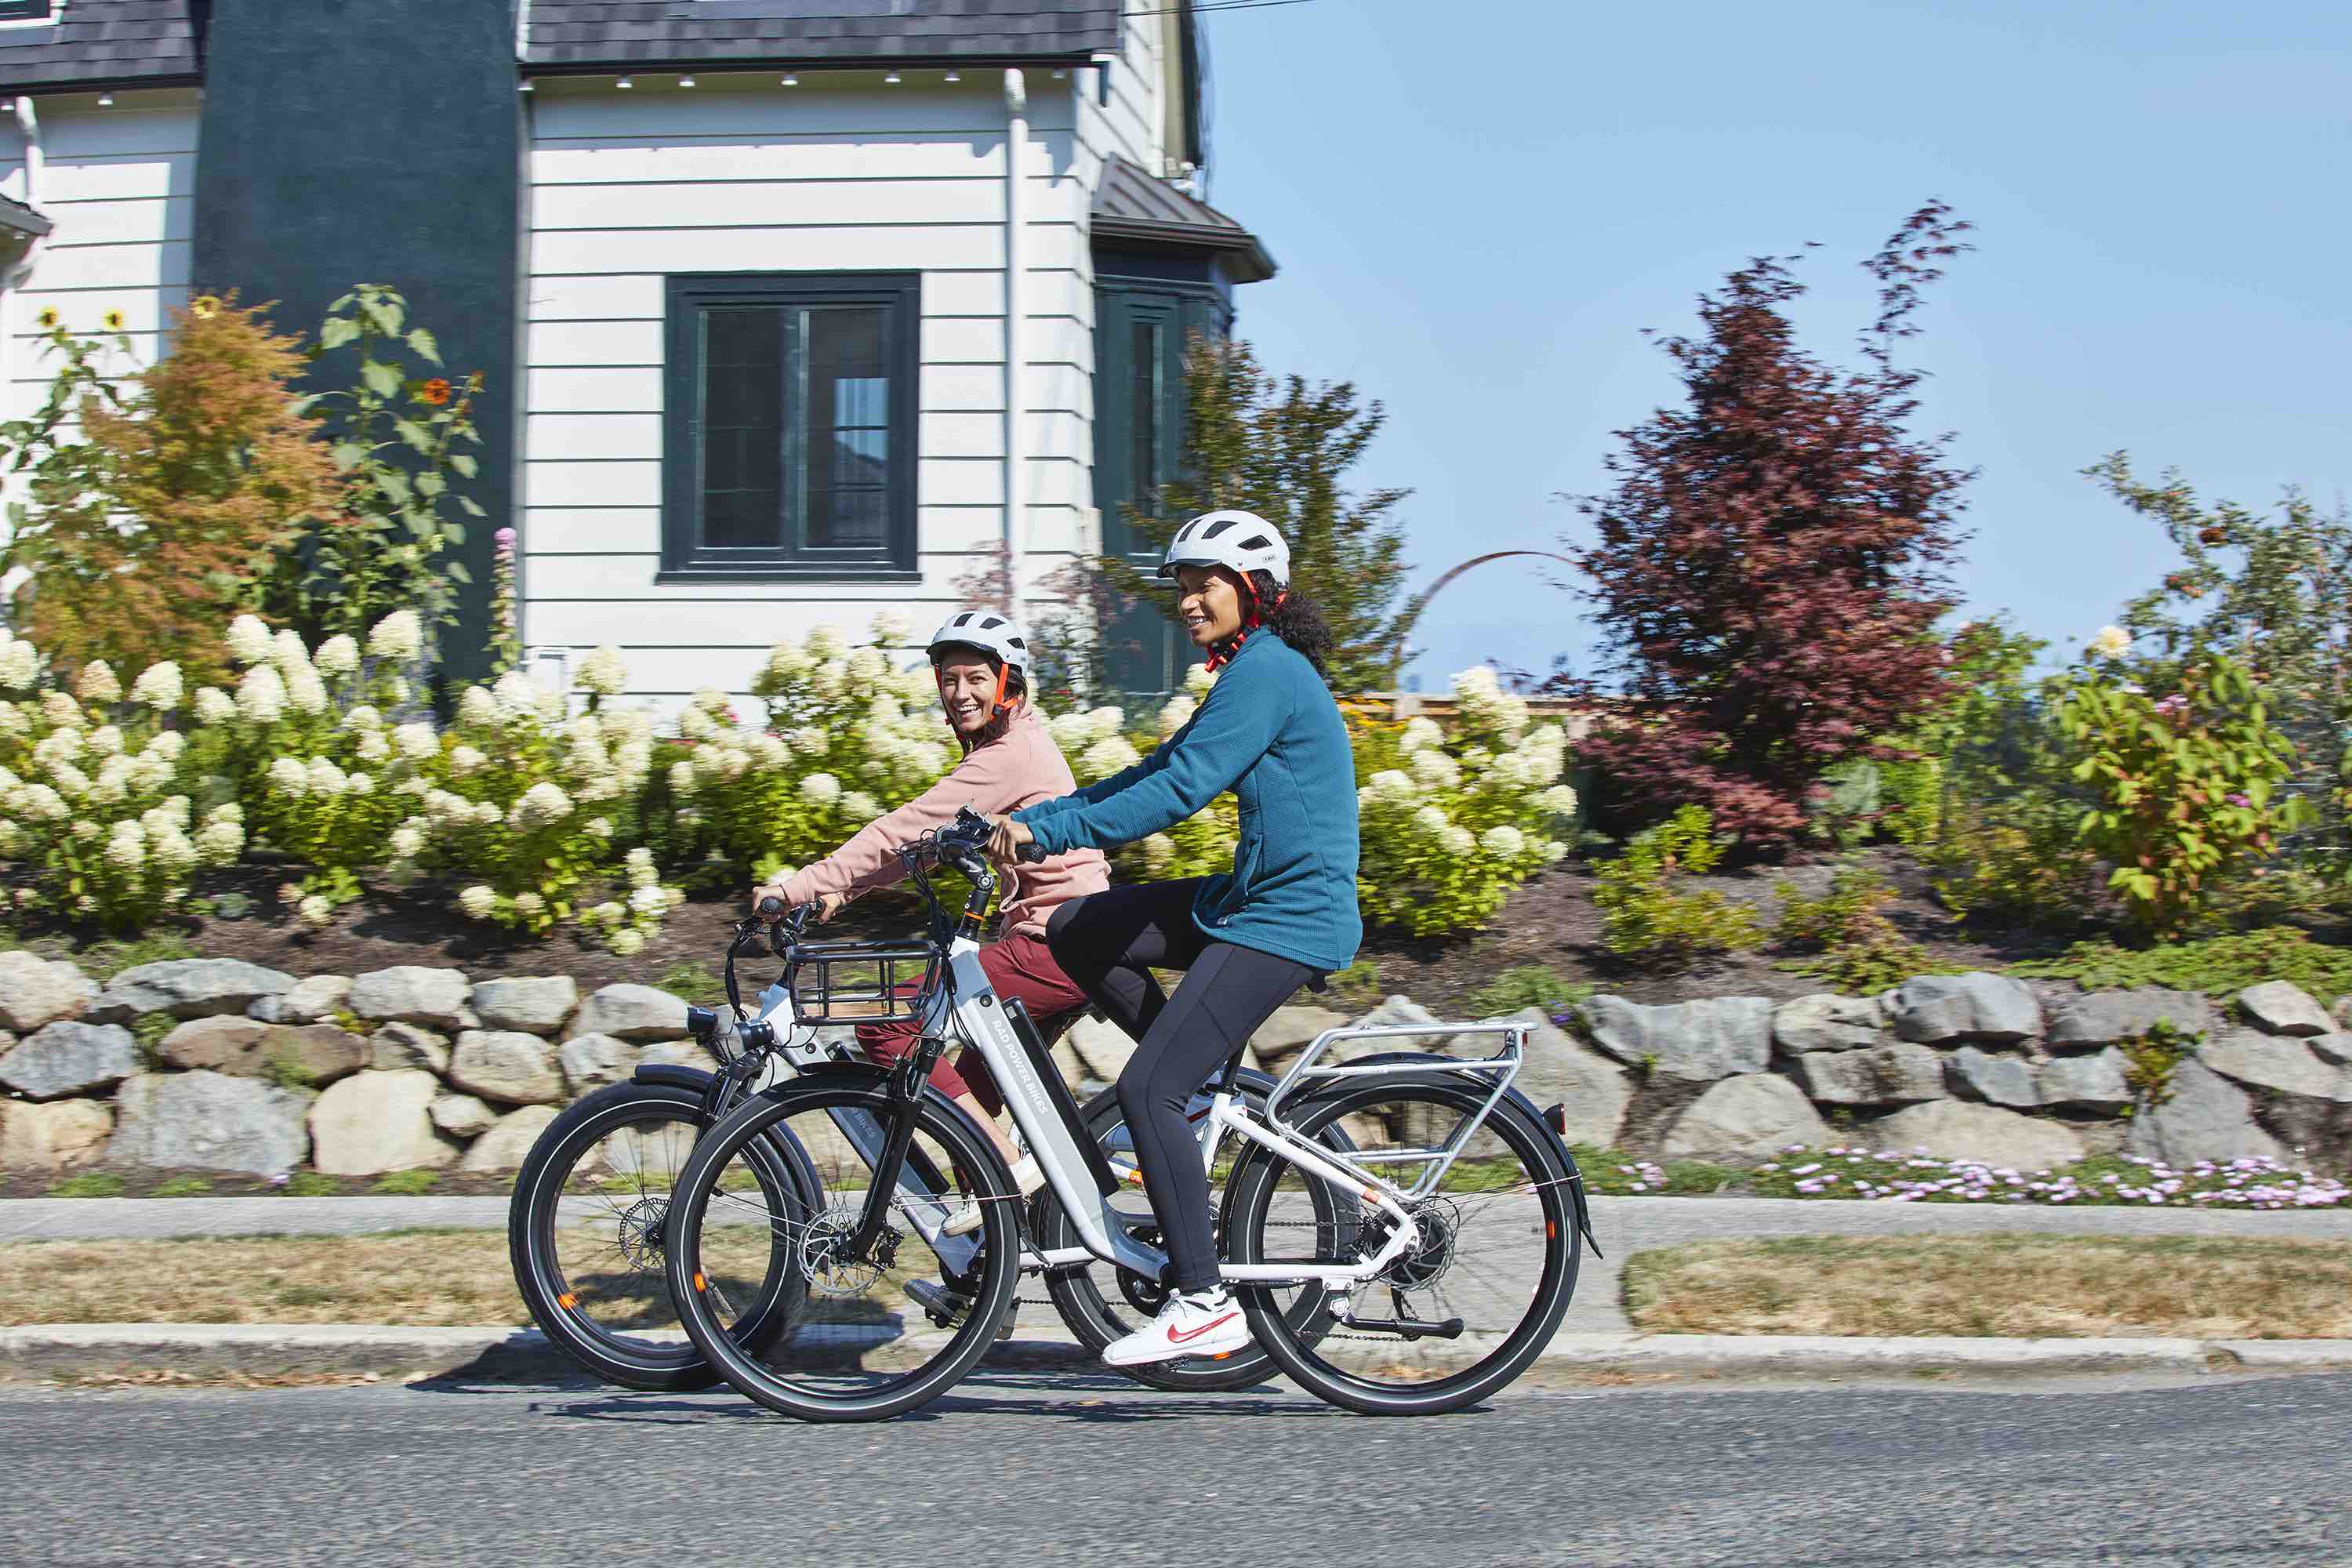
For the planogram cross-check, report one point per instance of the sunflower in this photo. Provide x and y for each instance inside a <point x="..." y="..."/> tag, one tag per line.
<point x="48" y="317"/>
<point x="205" y="306"/>
<point x="435" y="392"/>
<point x="112" y="320"/>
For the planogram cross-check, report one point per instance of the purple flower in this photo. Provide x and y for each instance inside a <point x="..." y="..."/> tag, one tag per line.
<point x="2240" y="802"/>
<point x="505" y="537"/>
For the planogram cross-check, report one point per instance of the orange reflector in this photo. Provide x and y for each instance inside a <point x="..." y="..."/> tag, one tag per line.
<point x="699" y="1283"/>
<point x="1223" y="1355"/>
<point x="567" y="1300"/>
<point x="1552" y="1230"/>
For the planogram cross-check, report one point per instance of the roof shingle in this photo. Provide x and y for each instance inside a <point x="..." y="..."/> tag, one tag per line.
<point x="101" y="42"/>
<point x="570" y="34"/>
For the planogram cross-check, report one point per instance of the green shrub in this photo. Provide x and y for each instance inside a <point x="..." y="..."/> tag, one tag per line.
<point x="89" y="1185"/>
<point x="312" y="1184"/>
<point x="185" y="1187"/>
<point x="407" y="1183"/>
<point x="1524" y="985"/>
<point x="1643" y="918"/>
<point x="2149" y="1059"/>
<point x="2219" y="967"/>
<point x="1858" y="951"/>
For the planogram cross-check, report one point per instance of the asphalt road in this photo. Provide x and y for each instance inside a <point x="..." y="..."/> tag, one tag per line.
<point x="1016" y="1469"/>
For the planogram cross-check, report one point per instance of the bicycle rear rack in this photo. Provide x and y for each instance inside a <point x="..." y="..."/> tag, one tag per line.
<point x="1500" y="1069"/>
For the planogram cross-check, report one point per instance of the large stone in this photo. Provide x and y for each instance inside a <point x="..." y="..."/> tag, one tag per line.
<point x="462" y="1115"/>
<point x="1957" y="1130"/>
<point x="2102" y="1017"/>
<point x="398" y="1045"/>
<point x="55" y="1137"/>
<point x="378" y="1121"/>
<point x="508" y="1066"/>
<point x="1289" y="1031"/>
<point x="592" y="1061"/>
<point x="504" y="1146"/>
<point x="1827" y="1022"/>
<point x="679" y="1054"/>
<point x="2095" y="1082"/>
<point x="411" y="994"/>
<point x="69" y="1056"/>
<point x="533" y="1006"/>
<point x="2276" y="1062"/>
<point x="307" y="1056"/>
<point x="1901" y="1074"/>
<point x="1996" y="1075"/>
<point x="1557" y="1069"/>
<point x="631" y="1013"/>
<point x="2336" y="1049"/>
<point x="2203" y="1117"/>
<point x="1946" y="1009"/>
<point x="210" y="1121"/>
<point x="35" y="990"/>
<point x="188" y="988"/>
<point x="1722" y="1036"/>
<point x="1753" y="1117"/>
<point x="1102" y="1048"/>
<point x="312" y="1000"/>
<point x="2283" y="1009"/>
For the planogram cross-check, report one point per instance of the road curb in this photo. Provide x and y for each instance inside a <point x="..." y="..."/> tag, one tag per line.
<point x="85" y="1350"/>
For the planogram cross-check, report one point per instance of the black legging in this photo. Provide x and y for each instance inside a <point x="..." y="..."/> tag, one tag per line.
<point x="1104" y="941"/>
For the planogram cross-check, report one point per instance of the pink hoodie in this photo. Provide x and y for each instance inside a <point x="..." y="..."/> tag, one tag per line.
<point x="1020" y="768"/>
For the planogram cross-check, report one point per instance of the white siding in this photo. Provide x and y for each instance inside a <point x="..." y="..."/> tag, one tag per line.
<point x="120" y="185"/>
<point x="840" y="174"/>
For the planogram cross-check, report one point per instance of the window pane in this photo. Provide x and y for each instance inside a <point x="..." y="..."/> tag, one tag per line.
<point x="849" y="429"/>
<point x="1144" y="446"/>
<point x="743" y="428"/>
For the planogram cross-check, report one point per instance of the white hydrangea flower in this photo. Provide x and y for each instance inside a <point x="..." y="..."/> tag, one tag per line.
<point x="417" y="742"/>
<point x="172" y="851"/>
<point x="1460" y="842"/>
<point x="819" y="789"/>
<point x="860" y="806"/>
<point x="551" y="706"/>
<point x="1431" y="820"/>
<point x="359" y="784"/>
<point x="220" y="843"/>
<point x="515" y="695"/>
<point x="2111" y="642"/>
<point x="632" y="760"/>
<point x="228" y="812"/>
<point x="71" y="782"/>
<point x="648" y="900"/>
<point x="287" y="652"/>
<point x="98" y="683"/>
<point x="829" y="680"/>
<point x="1199" y="678"/>
<point x="808" y="741"/>
<point x="683" y="781"/>
<point x="172" y="815"/>
<point x="1513" y="770"/>
<point x="289" y="776"/>
<point x="408" y="842"/>
<point x="261" y="696"/>
<point x="1158" y="853"/>
<point x="598" y="827"/>
<point x="57" y="746"/>
<point x="1394" y="787"/>
<point x="150" y="771"/>
<point x="316" y="913"/>
<point x="12" y="720"/>
<point x="338" y="655"/>
<point x="920" y="764"/>
<point x="1558" y="801"/>
<point x="541" y="805"/>
<point x="892" y="628"/>
<point x="248" y="640"/>
<point x="1421" y="734"/>
<point x="126" y="853"/>
<point x="1436" y="770"/>
<point x="770" y="752"/>
<point x="528" y="904"/>
<point x="865" y="666"/>
<point x="477" y="706"/>
<point x="84" y="830"/>
<point x="1554" y="851"/>
<point x="464" y="760"/>
<point x="786" y="664"/>
<point x="479" y="901"/>
<point x="400" y="636"/>
<point x="106" y="740"/>
<point x="625" y="943"/>
<point x="398" y="690"/>
<point x="374" y="748"/>
<point x="306" y="691"/>
<point x="694" y="724"/>
<point x="59" y="709"/>
<point x="20" y="665"/>
<point x="1504" y="842"/>
<point x="1071" y="731"/>
<point x="1176" y="715"/>
<point x="1107" y="756"/>
<point x="604" y="673"/>
<point x="486" y="814"/>
<point x="112" y="784"/>
<point x="919" y="684"/>
<point x="159" y="687"/>
<point x="43" y="803"/>
<point x="212" y="706"/>
<point x="824" y="642"/>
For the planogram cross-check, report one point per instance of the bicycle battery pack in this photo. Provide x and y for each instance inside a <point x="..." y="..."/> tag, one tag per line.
<point x="1041" y="1057"/>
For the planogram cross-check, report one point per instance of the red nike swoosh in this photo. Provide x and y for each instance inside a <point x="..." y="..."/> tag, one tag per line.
<point x="1178" y="1336"/>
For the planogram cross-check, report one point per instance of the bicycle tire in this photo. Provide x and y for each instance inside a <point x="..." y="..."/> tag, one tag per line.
<point x="1539" y="1153"/>
<point x="797" y="1388"/>
<point x="566" y="1312"/>
<point x="1095" y="1322"/>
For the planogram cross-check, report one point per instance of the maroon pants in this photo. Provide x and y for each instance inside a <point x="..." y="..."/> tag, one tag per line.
<point x="1020" y="965"/>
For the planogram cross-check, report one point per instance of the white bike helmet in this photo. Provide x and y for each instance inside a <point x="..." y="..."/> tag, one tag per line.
<point x="987" y="630"/>
<point x="1241" y="541"/>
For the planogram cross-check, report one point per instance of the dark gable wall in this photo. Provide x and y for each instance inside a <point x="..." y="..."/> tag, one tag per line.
<point x="377" y="141"/>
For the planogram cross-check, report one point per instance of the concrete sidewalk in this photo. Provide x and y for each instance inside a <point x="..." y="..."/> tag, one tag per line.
<point x="1625" y="1225"/>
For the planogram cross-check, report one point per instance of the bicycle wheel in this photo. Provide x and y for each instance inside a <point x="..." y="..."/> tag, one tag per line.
<point x="1470" y="1304"/>
<point x="585" y="1234"/>
<point x="852" y="1347"/>
<point x="1100" y="1301"/>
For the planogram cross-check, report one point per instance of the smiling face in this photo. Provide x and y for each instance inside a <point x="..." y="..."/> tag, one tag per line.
<point x="1209" y="604"/>
<point x="968" y="690"/>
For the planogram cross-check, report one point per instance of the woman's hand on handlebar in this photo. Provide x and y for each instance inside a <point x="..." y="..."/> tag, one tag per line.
<point x="769" y="903"/>
<point x="1010" y="837"/>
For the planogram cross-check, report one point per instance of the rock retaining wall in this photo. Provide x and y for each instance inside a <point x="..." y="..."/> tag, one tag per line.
<point x="415" y="1068"/>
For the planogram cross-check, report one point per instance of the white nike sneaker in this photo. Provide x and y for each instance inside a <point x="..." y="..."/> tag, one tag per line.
<point x="1209" y="1324"/>
<point x="965" y="1220"/>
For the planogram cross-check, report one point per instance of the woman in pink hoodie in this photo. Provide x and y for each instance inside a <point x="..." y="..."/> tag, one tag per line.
<point x="982" y="662"/>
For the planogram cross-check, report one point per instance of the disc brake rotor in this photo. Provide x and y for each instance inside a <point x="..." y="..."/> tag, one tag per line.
<point x="640" y="1239"/>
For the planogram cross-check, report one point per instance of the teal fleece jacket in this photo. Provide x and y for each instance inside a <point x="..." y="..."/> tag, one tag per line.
<point x="1269" y="731"/>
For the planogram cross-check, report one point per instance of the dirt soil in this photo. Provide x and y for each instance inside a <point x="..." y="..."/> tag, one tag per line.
<point x="1549" y="921"/>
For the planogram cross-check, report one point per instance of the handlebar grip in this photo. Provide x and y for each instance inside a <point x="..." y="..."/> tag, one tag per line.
<point x="770" y="908"/>
<point x="1032" y="854"/>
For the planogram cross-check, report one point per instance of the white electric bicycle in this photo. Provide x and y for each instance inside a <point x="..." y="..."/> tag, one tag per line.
<point x="1402" y="1231"/>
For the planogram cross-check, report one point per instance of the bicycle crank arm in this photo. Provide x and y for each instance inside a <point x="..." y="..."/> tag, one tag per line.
<point x="1410" y="1328"/>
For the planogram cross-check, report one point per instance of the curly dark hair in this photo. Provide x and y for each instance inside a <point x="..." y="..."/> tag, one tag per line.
<point x="1016" y="691"/>
<point x="1295" y="621"/>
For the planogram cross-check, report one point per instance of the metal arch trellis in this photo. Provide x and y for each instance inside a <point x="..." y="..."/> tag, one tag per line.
<point x="1420" y="602"/>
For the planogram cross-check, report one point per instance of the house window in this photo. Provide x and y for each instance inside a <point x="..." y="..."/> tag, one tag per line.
<point x="789" y="439"/>
<point x="25" y="10"/>
<point x="1147" y="415"/>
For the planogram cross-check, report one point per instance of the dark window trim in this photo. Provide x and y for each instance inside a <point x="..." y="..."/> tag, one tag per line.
<point x="28" y="10"/>
<point x="685" y="295"/>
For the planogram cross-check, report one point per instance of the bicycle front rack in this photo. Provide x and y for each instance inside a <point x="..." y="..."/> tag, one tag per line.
<point x="861" y="982"/>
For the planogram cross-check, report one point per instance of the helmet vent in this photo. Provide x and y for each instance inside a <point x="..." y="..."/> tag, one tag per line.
<point x="1218" y="527"/>
<point x="1259" y="541"/>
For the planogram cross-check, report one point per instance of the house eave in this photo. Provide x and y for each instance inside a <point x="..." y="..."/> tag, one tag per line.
<point x="1246" y="256"/>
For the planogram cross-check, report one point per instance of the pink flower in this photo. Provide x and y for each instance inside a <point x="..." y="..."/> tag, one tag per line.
<point x="505" y="537"/>
<point x="2241" y="801"/>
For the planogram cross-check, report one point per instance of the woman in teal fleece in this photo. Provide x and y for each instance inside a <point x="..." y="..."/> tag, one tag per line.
<point x="1284" y="916"/>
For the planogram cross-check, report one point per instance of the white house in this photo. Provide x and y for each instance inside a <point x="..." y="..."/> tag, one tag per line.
<point x="808" y="307"/>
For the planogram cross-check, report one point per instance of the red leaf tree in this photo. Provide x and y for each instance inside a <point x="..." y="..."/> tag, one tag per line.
<point x="1771" y="563"/>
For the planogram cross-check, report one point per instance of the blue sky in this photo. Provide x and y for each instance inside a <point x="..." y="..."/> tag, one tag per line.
<point x="1477" y="207"/>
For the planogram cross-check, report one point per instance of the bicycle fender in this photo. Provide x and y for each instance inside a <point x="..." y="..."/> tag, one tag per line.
<point x="670" y="1075"/>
